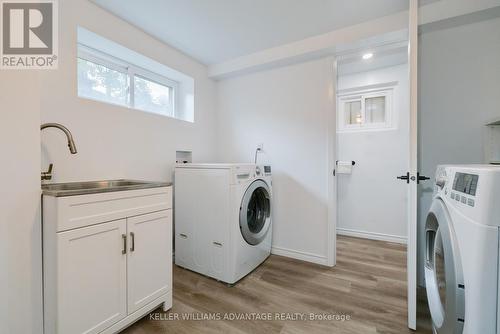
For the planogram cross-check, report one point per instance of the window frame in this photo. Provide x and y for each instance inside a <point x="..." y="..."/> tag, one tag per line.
<point x="362" y="95"/>
<point x="101" y="58"/>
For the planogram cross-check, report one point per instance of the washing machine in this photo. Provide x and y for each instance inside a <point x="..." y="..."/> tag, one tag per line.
<point x="223" y="224"/>
<point x="462" y="250"/>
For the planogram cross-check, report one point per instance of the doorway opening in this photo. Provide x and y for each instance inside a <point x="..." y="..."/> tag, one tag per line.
<point x="376" y="144"/>
<point x="373" y="134"/>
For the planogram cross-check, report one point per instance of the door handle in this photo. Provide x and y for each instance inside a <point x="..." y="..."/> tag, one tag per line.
<point x="422" y="178"/>
<point x="124" y="239"/>
<point x="405" y="177"/>
<point x="132" y="241"/>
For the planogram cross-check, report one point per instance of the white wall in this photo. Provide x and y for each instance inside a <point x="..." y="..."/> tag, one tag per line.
<point x="286" y="109"/>
<point x="112" y="141"/>
<point x="459" y="85"/>
<point x="20" y="245"/>
<point x="371" y="201"/>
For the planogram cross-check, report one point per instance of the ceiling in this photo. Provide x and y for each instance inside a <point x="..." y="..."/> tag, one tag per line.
<point x="382" y="57"/>
<point x="213" y="31"/>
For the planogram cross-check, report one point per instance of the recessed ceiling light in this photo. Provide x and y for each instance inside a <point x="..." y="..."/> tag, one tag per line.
<point x="367" y="55"/>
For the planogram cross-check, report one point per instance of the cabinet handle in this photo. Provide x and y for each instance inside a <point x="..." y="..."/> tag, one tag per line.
<point x="124" y="239"/>
<point x="132" y="241"/>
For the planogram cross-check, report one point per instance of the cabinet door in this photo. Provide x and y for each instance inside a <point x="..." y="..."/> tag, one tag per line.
<point x="92" y="277"/>
<point x="149" y="263"/>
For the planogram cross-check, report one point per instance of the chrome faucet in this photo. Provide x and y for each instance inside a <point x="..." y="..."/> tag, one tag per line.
<point x="71" y="145"/>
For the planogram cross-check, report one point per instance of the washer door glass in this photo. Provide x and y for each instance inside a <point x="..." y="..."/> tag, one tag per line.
<point x="439" y="268"/>
<point x="255" y="212"/>
<point x="443" y="276"/>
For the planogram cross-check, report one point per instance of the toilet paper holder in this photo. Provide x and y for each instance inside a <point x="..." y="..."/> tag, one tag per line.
<point x="344" y="167"/>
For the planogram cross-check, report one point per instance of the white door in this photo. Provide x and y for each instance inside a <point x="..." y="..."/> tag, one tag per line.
<point x="413" y="175"/>
<point x="92" y="277"/>
<point x="149" y="263"/>
<point x="350" y="55"/>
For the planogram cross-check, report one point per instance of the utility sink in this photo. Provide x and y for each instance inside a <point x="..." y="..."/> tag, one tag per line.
<point x="95" y="187"/>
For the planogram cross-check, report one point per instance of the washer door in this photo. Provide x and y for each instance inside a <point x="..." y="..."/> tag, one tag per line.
<point x="255" y="212"/>
<point x="443" y="272"/>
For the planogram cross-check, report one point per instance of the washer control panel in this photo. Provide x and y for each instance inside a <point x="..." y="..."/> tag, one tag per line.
<point x="474" y="192"/>
<point x="463" y="199"/>
<point x="465" y="183"/>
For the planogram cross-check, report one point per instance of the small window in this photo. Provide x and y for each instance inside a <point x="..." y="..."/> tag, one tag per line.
<point x="353" y="112"/>
<point x="365" y="111"/>
<point x="153" y="96"/>
<point x="105" y="78"/>
<point x="99" y="82"/>
<point x="375" y="109"/>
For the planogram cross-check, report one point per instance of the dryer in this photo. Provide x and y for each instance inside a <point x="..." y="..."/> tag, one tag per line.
<point x="223" y="224"/>
<point x="462" y="250"/>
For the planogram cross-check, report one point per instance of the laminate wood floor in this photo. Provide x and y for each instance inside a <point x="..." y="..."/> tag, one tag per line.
<point x="368" y="286"/>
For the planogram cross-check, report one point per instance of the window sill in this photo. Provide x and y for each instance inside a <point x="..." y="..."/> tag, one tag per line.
<point x="111" y="104"/>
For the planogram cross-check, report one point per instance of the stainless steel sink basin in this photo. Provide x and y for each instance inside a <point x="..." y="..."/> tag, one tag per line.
<point x="93" y="187"/>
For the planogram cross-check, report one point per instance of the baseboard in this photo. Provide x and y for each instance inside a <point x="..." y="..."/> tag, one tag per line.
<point x="371" y="235"/>
<point x="299" y="255"/>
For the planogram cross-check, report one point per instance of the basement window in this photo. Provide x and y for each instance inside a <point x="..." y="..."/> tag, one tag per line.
<point x="111" y="73"/>
<point x="105" y="78"/>
<point x="365" y="110"/>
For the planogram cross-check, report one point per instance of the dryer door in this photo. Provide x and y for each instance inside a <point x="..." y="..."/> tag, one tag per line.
<point x="255" y="212"/>
<point x="443" y="272"/>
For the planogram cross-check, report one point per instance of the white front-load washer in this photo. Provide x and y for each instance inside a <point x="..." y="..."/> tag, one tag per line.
<point x="223" y="225"/>
<point x="462" y="250"/>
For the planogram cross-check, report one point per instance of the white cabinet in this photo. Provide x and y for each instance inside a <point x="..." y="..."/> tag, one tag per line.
<point x="92" y="277"/>
<point x="107" y="259"/>
<point x="148" y="276"/>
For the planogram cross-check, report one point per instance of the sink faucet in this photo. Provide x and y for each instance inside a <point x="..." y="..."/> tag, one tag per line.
<point x="71" y="145"/>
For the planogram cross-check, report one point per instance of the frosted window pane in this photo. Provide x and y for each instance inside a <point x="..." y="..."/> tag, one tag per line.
<point x="375" y="109"/>
<point x="152" y="96"/>
<point x="101" y="83"/>
<point x="353" y="112"/>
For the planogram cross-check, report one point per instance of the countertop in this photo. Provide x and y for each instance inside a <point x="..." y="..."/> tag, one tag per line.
<point x="97" y="187"/>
